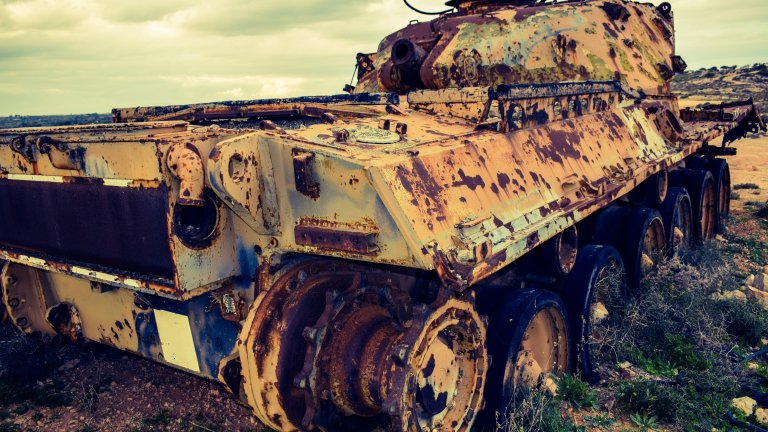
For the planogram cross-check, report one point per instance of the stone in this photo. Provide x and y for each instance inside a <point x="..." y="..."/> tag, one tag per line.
<point x="550" y="386"/>
<point x="729" y="295"/>
<point x="626" y="370"/>
<point x="744" y="404"/>
<point x="758" y="295"/>
<point x="761" y="415"/>
<point x="599" y="311"/>
<point x="750" y="280"/>
<point x="69" y="365"/>
<point x="761" y="282"/>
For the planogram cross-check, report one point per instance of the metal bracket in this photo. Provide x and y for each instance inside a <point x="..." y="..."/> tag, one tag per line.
<point x="302" y="171"/>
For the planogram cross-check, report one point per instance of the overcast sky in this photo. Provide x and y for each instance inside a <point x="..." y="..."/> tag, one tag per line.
<point x="78" y="56"/>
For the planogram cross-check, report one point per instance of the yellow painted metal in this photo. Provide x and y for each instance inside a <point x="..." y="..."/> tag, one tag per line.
<point x="532" y="45"/>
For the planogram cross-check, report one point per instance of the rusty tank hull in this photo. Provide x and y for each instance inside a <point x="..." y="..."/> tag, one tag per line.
<point x="354" y="261"/>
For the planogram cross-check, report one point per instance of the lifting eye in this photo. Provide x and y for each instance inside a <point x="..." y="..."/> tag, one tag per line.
<point x="196" y="226"/>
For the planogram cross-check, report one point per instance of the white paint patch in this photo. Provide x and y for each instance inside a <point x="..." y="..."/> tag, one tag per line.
<point x="36" y="178"/>
<point x="176" y="340"/>
<point x="117" y="182"/>
<point x="60" y="179"/>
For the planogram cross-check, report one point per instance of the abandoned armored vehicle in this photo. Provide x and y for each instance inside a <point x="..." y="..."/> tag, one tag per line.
<point x="407" y="255"/>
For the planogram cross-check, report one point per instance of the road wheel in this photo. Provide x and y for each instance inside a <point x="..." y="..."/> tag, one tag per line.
<point x="701" y="188"/>
<point x="678" y="221"/>
<point x="652" y="191"/>
<point x="592" y="293"/>
<point x="4" y="318"/>
<point x="338" y="346"/>
<point x="721" y="174"/>
<point x="528" y="340"/>
<point x="638" y="235"/>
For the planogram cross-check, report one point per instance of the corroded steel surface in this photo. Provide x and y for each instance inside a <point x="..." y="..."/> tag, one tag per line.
<point x="498" y="44"/>
<point x="332" y="339"/>
<point x="319" y="255"/>
<point x="116" y="183"/>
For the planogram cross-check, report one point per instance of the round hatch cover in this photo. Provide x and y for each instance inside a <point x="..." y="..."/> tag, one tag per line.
<point x="372" y="135"/>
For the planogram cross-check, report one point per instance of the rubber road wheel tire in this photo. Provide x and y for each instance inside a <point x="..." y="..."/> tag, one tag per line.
<point x="505" y="335"/>
<point x="628" y="231"/>
<point x="578" y="292"/>
<point x="678" y="220"/>
<point x="701" y="189"/>
<point x="610" y="224"/>
<point x="721" y="174"/>
<point x="652" y="191"/>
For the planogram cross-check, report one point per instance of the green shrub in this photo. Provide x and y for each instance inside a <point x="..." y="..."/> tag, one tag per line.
<point x="762" y="211"/>
<point x="644" y="422"/>
<point x="746" y="322"/>
<point x="675" y="332"/>
<point x="576" y="392"/>
<point x="600" y="421"/>
<point x="751" y="186"/>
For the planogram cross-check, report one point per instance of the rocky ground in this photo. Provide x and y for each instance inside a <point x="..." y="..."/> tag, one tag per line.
<point x="724" y="84"/>
<point x="18" y="121"/>
<point x="56" y="386"/>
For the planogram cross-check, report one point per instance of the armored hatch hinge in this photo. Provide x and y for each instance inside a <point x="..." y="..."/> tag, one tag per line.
<point x="589" y="189"/>
<point x="25" y="146"/>
<point x="584" y="186"/>
<point x="303" y="173"/>
<point x="479" y="239"/>
<point x="616" y="174"/>
<point x="450" y="276"/>
<point x="62" y="155"/>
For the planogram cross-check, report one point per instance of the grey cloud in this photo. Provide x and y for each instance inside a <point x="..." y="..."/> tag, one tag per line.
<point x="32" y="15"/>
<point x="58" y="58"/>
<point x="713" y="32"/>
<point x="138" y="11"/>
<point x="232" y="17"/>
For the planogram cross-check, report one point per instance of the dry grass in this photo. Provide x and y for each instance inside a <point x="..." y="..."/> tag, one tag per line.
<point x="687" y="348"/>
<point x="746" y="186"/>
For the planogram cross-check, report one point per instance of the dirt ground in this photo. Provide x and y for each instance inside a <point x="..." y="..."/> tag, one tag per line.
<point x="749" y="169"/>
<point x="90" y="387"/>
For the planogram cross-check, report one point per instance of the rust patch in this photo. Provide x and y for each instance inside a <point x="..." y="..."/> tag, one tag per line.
<point x="472" y="182"/>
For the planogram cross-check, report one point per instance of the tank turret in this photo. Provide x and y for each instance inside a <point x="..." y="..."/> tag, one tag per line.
<point x="488" y="43"/>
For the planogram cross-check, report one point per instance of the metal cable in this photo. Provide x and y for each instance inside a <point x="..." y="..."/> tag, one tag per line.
<point x="425" y="12"/>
